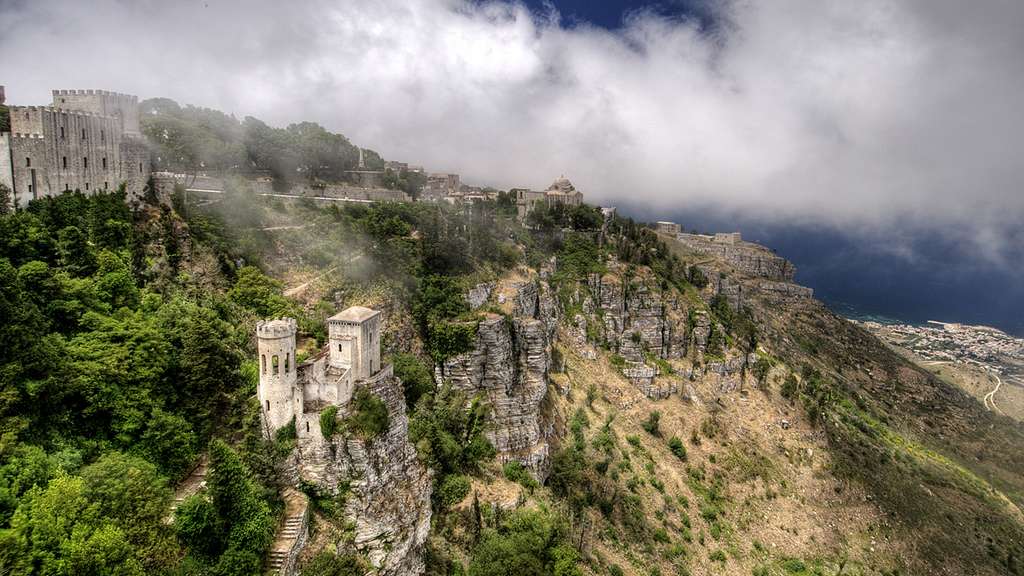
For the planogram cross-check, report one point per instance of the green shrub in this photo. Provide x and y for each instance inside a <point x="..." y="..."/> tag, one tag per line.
<point x="717" y="556"/>
<point x="452" y="490"/>
<point x="369" y="417"/>
<point x="677" y="447"/>
<point x="286" y="433"/>
<point x="328" y="564"/>
<point x="329" y="421"/>
<point x="518" y="473"/>
<point x="416" y="377"/>
<point x="651" y="424"/>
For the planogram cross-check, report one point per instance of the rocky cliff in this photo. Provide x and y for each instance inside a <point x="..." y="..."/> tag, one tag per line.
<point x="509" y="365"/>
<point x="388" y="501"/>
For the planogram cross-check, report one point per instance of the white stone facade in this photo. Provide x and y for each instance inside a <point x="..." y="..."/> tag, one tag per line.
<point x="290" y="392"/>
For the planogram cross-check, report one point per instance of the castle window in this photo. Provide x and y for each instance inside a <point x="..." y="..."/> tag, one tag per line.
<point x="83" y="133"/>
<point x="140" y="167"/>
<point x="263" y="361"/>
<point x="287" y="362"/>
<point x="268" y="405"/>
<point x="275" y="365"/>
<point x="28" y="162"/>
<point x="61" y="132"/>
<point x="103" y="136"/>
<point x="307" y="426"/>
<point x="86" y="186"/>
<point x="339" y="347"/>
<point x="85" y="162"/>
<point x="104" y="163"/>
<point x="67" y="188"/>
<point x="105" y="185"/>
<point x="64" y="160"/>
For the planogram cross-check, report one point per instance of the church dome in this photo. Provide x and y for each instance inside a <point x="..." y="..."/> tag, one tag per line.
<point x="562" y="184"/>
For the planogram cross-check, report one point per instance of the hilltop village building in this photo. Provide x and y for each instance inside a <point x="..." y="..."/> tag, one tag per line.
<point x="289" y="390"/>
<point x="85" y="140"/>
<point x="561" y="191"/>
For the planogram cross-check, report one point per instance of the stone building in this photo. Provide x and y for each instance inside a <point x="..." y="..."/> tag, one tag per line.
<point x="668" y="228"/>
<point x="289" y="390"/>
<point x="86" y="140"/>
<point x="561" y="191"/>
<point x="441" y="186"/>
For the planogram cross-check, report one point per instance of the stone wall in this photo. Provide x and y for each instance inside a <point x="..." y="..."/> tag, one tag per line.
<point x="6" y="169"/>
<point x="747" y="258"/>
<point x="56" y="150"/>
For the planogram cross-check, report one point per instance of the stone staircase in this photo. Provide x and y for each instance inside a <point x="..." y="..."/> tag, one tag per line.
<point x="291" y="535"/>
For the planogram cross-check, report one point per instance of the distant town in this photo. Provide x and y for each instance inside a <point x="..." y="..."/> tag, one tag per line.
<point x="943" y="342"/>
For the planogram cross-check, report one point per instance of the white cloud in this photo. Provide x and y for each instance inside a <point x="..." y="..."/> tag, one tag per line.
<point x="863" y="115"/>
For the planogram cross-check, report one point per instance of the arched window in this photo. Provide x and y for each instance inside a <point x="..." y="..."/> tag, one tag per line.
<point x="275" y="365"/>
<point x="263" y="361"/>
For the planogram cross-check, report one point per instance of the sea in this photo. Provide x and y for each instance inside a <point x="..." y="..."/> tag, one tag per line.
<point x="924" y="275"/>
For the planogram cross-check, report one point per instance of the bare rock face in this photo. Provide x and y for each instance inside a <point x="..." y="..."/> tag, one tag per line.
<point x="745" y="257"/>
<point x="701" y="330"/>
<point x="509" y="364"/>
<point x="638" y="316"/>
<point x="389" y="499"/>
<point x="479" y="294"/>
<point x="728" y="375"/>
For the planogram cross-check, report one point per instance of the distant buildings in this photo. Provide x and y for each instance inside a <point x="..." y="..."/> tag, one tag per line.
<point x="86" y="140"/>
<point x="561" y="192"/>
<point x="670" y="228"/>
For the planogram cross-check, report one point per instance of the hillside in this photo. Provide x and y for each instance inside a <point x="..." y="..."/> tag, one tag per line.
<point x="588" y="397"/>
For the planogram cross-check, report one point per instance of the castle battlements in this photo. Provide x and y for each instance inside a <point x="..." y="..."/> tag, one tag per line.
<point x="92" y="93"/>
<point x="59" y="110"/>
<point x="276" y="328"/>
<point x="21" y="135"/>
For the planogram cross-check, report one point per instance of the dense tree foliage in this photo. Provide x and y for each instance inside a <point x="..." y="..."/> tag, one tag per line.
<point x="448" y="431"/>
<point x="531" y="542"/>
<point x="111" y="379"/>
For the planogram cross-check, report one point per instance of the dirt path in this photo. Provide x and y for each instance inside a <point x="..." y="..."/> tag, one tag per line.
<point x="294" y="227"/>
<point x="193" y="483"/>
<point x="298" y="289"/>
<point x="990" y="398"/>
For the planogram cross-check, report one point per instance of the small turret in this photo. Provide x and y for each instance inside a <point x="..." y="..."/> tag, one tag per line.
<point x="279" y="399"/>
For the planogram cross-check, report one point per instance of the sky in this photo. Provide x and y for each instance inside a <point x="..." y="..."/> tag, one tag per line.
<point x="893" y="126"/>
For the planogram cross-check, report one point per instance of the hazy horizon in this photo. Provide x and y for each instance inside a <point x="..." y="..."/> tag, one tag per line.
<point x="888" y="124"/>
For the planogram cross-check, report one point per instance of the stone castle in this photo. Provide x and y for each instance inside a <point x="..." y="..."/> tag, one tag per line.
<point x="387" y="488"/>
<point x="86" y="140"/>
<point x="289" y="390"/>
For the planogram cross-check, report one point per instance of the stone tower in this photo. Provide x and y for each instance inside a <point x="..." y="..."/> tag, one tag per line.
<point x="354" y="336"/>
<point x="278" y="393"/>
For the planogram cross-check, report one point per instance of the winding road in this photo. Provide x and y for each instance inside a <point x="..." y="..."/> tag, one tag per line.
<point x="990" y="398"/>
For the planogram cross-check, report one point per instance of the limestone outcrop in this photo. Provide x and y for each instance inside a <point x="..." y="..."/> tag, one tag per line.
<point x="509" y="365"/>
<point x="747" y="258"/>
<point x="637" y="315"/>
<point x="389" y="490"/>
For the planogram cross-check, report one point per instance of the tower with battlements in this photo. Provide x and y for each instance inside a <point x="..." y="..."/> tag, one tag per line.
<point x="86" y="140"/>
